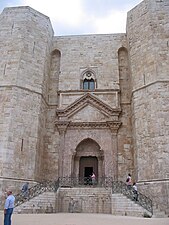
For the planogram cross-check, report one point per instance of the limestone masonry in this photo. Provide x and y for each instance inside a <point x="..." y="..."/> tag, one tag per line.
<point x="71" y="105"/>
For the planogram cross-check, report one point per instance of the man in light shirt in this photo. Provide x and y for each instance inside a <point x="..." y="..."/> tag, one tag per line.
<point x="135" y="191"/>
<point x="8" y="208"/>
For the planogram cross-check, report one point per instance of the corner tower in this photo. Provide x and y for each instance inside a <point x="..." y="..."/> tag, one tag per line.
<point x="147" y="34"/>
<point x="25" y="42"/>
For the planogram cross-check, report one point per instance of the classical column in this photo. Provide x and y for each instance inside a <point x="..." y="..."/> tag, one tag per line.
<point x="114" y="126"/>
<point x="76" y="166"/>
<point x="101" y="169"/>
<point x="62" y="127"/>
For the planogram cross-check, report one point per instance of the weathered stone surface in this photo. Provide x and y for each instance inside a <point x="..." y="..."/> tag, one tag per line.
<point x="51" y="123"/>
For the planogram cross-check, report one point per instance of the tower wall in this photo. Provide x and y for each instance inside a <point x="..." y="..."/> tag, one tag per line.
<point x="147" y="33"/>
<point x="25" y="42"/>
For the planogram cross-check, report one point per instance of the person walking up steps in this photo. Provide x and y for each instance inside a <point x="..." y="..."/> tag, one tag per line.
<point x="135" y="191"/>
<point x="25" y="191"/>
<point x="129" y="181"/>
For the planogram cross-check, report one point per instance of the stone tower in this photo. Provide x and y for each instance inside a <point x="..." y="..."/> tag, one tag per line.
<point x="148" y="41"/>
<point x="25" y="42"/>
<point x="74" y="105"/>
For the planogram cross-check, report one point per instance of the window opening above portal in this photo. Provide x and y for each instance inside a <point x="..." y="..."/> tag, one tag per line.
<point x="88" y="81"/>
<point x="88" y="84"/>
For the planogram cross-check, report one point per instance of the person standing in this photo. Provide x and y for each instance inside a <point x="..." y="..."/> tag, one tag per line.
<point x="93" y="176"/>
<point x="135" y="191"/>
<point x="129" y="181"/>
<point x="25" y="190"/>
<point x="8" y="208"/>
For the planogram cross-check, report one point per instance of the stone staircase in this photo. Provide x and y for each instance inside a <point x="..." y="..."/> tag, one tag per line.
<point x="50" y="198"/>
<point x="43" y="203"/>
<point x="121" y="205"/>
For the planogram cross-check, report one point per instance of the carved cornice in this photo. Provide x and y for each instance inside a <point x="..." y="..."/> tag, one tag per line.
<point x="88" y="99"/>
<point x="62" y="126"/>
<point x="90" y="91"/>
<point x="113" y="125"/>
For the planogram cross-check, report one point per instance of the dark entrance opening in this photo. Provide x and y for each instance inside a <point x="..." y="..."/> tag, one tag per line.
<point x="87" y="175"/>
<point x="87" y="165"/>
<point x="88" y="171"/>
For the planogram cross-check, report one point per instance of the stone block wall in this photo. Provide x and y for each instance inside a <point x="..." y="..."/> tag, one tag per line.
<point x="88" y="200"/>
<point x="151" y="124"/>
<point x="26" y="37"/>
<point x="125" y="138"/>
<point x="51" y="147"/>
<point x="98" y="52"/>
<point x="147" y="34"/>
<point x="25" y="42"/>
<point x="158" y="192"/>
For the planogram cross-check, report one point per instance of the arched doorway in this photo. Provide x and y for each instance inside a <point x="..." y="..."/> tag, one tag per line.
<point x="88" y="158"/>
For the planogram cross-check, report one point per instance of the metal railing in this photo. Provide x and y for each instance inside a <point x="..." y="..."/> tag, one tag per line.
<point x="85" y="182"/>
<point x="128" y="191"/>
<point x="36" y="190"/>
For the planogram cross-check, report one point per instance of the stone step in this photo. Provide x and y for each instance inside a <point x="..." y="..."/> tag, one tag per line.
<point x="121" y="205"/>
<point x="40" y="204"/>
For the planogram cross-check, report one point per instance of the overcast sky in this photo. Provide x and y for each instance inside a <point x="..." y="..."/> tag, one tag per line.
<point x="81" y="16"/>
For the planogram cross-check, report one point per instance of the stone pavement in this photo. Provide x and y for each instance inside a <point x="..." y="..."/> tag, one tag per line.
<point x="82" y="219"/>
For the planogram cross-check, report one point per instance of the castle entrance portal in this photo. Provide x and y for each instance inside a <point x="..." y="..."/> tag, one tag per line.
<point x="87" y="159"/>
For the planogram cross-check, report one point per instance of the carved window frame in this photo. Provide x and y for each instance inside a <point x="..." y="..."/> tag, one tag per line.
<point x="88" y="75"/>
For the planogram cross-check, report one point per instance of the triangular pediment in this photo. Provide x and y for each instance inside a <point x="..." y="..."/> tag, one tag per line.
<point x="86" y="101"/>
<point x="88" y="114"/>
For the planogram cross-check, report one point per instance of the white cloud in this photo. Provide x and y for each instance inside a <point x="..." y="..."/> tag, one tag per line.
<point x="114" y="22"/>
<point x="64" y="11"/>
<point x="81" y="16"/>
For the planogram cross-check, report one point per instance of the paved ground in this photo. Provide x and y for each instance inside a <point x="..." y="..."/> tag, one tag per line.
<point x="82" y="219"/>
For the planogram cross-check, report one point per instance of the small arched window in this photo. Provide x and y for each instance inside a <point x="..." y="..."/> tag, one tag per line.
<point x="89" y="82"/>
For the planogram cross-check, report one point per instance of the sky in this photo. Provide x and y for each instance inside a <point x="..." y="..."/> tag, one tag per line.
<point x="77" y="17"/>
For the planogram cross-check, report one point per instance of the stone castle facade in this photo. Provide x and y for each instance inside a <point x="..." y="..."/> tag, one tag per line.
<point x="70" y="105"/>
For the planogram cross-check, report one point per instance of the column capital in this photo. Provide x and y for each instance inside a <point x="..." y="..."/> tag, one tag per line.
<point x="62" y="126"/>
<point x="114" y="126"/>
